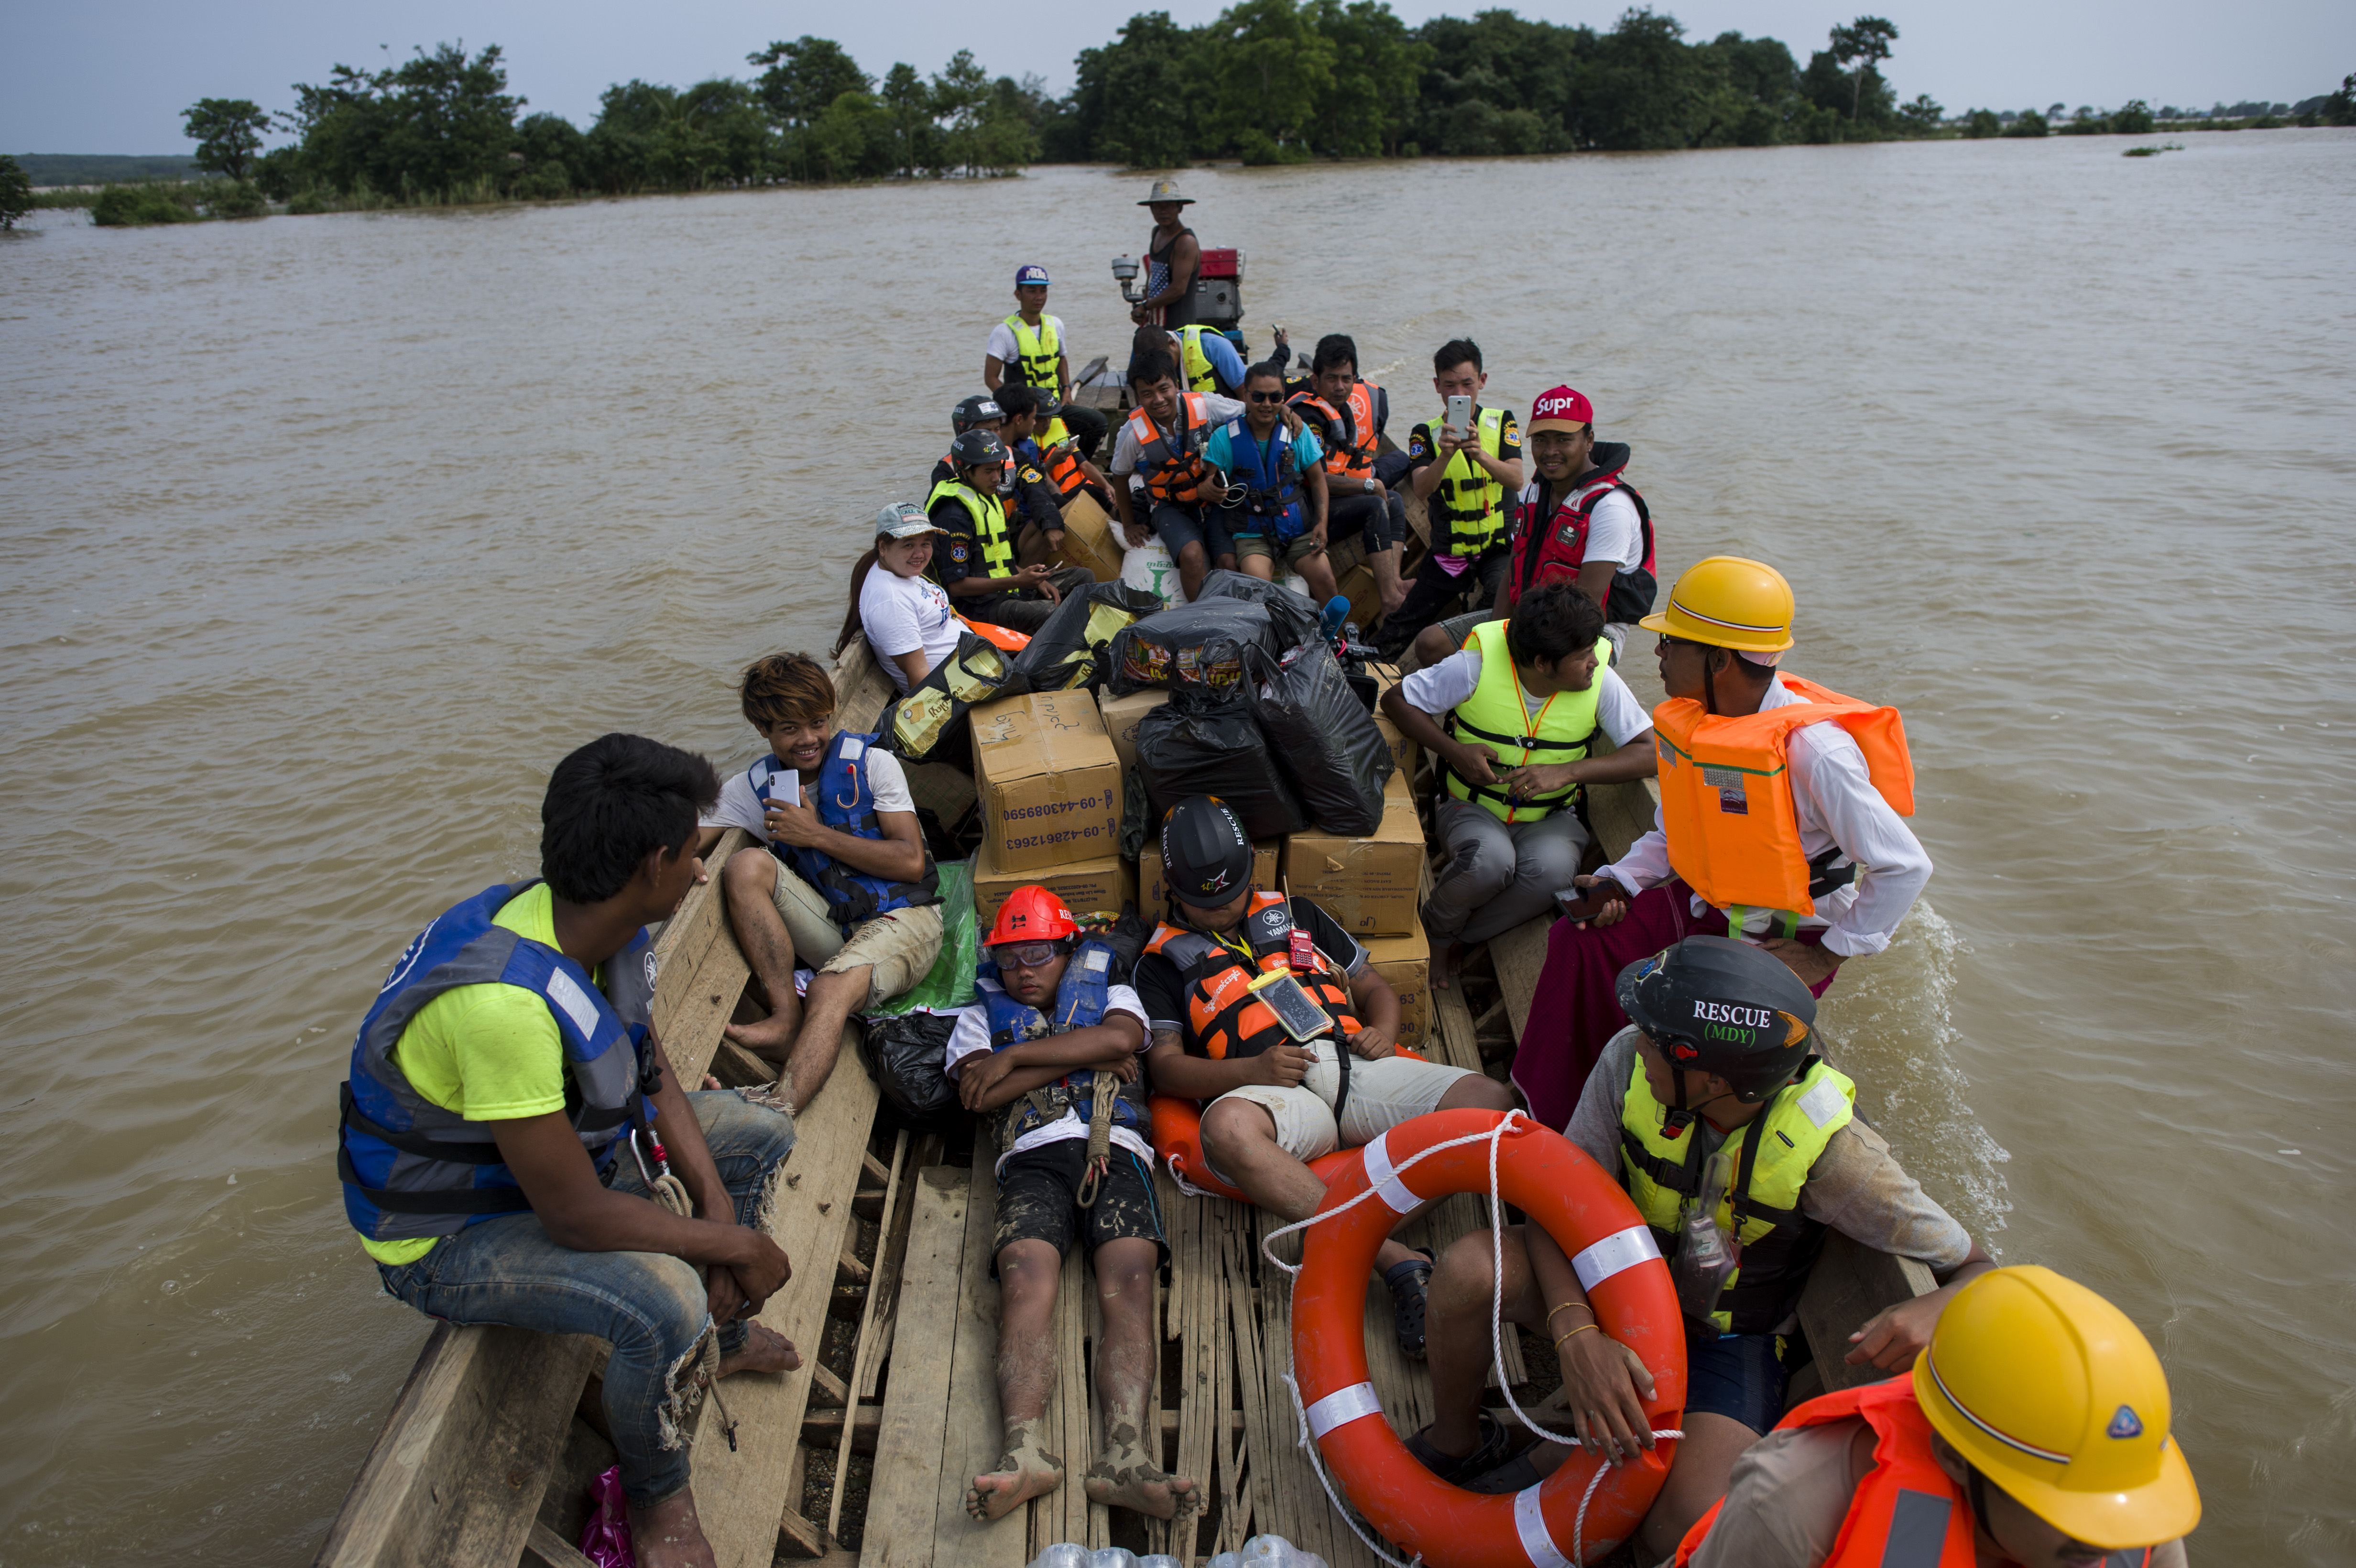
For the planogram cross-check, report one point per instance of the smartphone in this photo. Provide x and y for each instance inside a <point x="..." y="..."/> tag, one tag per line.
<point x="1460" y="415"/>
<point x="1303" y="1018"/>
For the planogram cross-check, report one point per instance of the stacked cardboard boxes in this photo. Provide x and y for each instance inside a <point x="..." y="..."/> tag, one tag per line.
<point x="1049" y="782"/>
<point x="1371" y="885"/>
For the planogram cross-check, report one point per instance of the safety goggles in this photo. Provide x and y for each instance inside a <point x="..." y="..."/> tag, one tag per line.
<point x="1026" y="954"/>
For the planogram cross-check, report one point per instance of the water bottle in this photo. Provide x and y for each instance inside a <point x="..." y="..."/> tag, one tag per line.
<point x="1159" y="1560"/>
<point x="1063" y="1554"/>
<point x="1112" y="1557"/>
<point x="1268" y="1551"/>
<point x="1226" y="1560"/>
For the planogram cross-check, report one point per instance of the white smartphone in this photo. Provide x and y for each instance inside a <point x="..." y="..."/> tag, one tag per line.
<point x="1460" y="415"/>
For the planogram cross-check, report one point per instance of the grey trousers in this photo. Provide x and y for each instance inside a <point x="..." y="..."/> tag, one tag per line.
<point x="1496" y="874"/>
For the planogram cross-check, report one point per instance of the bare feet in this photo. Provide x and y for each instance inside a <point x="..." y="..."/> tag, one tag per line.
<point x="766" y="1350"/>
<point x="771" y="1037"/>
<point x="1025" y="1471"/>
<point x="1131" y="1480"/>
<point x="1447" y="962"/>
<point x="667" y="1535"/>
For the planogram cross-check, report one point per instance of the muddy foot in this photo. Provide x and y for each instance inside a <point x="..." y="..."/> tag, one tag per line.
<point x="667" y="1534"/>
<point x="1018" y="1479"/>
<point x="1142" y="1486"/>
<point x="766" y="1350"/>
<point x="771" y="1037"/>
<point x="1448" y="962"/>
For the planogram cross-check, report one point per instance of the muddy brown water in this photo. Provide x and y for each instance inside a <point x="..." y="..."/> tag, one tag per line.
<point x="322" y="539"/>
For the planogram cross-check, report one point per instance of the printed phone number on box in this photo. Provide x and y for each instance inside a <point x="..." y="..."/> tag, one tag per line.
<point x="1058" y="807"/>
<point x="1069" y="836"/>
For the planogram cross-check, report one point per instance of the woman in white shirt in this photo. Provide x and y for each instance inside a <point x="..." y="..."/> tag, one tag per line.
<point x="904" y="614"/>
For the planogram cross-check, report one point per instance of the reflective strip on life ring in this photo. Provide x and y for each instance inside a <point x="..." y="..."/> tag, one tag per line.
<point x="1584" y="1210"/>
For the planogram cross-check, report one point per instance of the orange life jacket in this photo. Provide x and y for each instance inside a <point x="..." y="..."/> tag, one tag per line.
<point x="1726" y="792"/>
<point x="1172" y="462"/>
<point x="1224" y="1017"/>
<point x="1349" y="437"/>
<point x="1907" y="1513"/>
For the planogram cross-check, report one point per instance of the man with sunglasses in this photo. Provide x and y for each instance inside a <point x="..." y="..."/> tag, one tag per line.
<point x="1282" y="516"/>
<point x="1049" y="1055"/>
<point x="1780" y="821"/>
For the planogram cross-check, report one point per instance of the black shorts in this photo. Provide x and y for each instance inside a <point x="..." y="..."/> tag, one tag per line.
<point x="1038" y="1201"/>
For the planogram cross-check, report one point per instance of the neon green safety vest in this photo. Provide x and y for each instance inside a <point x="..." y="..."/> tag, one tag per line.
<point x="1561" y="731"/>
<point x="1468" y="498"/>
<point x="1200" y="377"/>
<point x="988" y="515"/>
<point x="1773" y="1156"/>
<point x="1036" y="351"/>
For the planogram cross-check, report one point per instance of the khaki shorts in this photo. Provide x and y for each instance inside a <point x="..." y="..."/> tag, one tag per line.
<point x="1382" y="1095"/>
<point x="901" y="945"/>
<point x="1296" y="552"/>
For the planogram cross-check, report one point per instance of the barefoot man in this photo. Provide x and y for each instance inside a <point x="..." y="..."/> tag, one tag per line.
<point x="1049" y="1056"/>
<point x="843" y="879"/>
<point x="510" y="1108"/>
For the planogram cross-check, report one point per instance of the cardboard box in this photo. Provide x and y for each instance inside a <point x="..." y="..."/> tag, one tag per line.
<point x="1048" y="778"/>
<point x="1371" y="885"/>
<point x="1103" y="883"/>
<point x="1404" y="752"/>
<point x="1153" y="898"/>
<point x="1089" y="541"/>
<point x="1121" y="717"/>
<point x="1406" y="963"/>
<point x="1358" y="585"/>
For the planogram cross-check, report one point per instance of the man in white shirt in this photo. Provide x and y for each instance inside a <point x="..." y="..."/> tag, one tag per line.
<point x="906" y="615"/>
<point x="1524" y="702"/>
<point x="1027" y="348"/>
<point x="1052" y="1034"/>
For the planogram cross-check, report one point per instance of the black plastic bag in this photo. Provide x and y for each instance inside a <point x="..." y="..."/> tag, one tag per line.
<point x="1294" y="615"/>
<point x="1200" y="743"/>
<point x="1067" y="650"/>
<point x="1324" y="739"/>
<point x="979" y="671"/>
<point x="907" y="1055"/>
<point x="1199" y="645"/>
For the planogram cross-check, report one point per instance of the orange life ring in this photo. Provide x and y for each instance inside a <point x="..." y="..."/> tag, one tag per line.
<point x="1006" y="637"/>
<point x="1582" y="1207"/>
<point x="1177" y="1132"/>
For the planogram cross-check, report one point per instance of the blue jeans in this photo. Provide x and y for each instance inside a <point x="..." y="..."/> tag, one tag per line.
<point x="1738" y="1376"/>
<point x="651" y="1306"/>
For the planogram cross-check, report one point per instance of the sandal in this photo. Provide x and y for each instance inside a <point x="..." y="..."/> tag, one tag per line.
<point x="1495" y="1444"/>
<point x="1410" y="1284"/>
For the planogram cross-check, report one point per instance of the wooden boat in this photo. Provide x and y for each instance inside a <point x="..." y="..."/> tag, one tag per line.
<point x="862" y="1456"/>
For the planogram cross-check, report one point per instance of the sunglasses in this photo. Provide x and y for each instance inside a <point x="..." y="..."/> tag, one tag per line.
<point x="1266" y="397"/>
<point x="1669" y="642"/>
<point x="1026" y="954"/>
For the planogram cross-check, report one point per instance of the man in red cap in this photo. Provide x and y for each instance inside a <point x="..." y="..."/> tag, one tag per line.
<point x="1048" y="1055"/>
<point x="1578" y="520"/>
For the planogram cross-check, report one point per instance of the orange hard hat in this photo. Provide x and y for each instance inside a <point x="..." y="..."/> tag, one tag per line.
<point x="1033" y="915"/>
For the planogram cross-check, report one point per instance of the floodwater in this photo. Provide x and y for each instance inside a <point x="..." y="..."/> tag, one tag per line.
<point x="322" y="539"/>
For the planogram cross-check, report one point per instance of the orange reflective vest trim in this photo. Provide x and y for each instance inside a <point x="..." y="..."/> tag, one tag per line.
<point x="1224" y="1017"/>
<point x="1349" y="437"/>
<point x="1906" y="1513"/>
<point x="1726" y="792"/>
<point x="1172" y="461"/>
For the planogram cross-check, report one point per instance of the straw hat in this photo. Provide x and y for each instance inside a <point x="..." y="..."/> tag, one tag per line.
<point x="1167" y="190"/>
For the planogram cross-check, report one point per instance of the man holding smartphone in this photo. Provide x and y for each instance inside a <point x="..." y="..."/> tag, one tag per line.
<point x="1464" y="471"/>
<point x="1278" y="1087"/>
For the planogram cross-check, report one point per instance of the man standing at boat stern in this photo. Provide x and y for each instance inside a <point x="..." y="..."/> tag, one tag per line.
<point x="1781" y="820"/>
<point x="516" y="1149"/>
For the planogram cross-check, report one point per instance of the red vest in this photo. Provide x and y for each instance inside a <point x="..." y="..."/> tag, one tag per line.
<point x="1906" y="1512"/>
<point x="1550" y="549"/>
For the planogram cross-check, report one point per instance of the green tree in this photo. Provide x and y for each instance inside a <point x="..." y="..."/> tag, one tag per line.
<point x="1132" y="94"/>
<point x="435" y="124"/>
<point x="2132" y="119"/>
<point x="1267" y="63"/>
<point x="2030" y="124"/>
<point x="2339" y="108"/>
<point x="1925" y="115"/>
<point x="915" y="139"/>
<point x="1982" y="122"/>
<point x="803" y="78"/>
<point x="555" y="157"/>
<point x="1369" y="102"/>
<point x="15" y="191"/>
<point x="1866" y="42"/>
<point x="228" y="133"/>
<point x="1644" y="88"/>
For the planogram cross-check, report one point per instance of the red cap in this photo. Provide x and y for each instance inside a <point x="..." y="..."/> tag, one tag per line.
<point x="1031" y="914"/>
<point x="1562" y="408"/>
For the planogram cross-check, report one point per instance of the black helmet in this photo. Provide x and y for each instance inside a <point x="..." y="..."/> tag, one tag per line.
<point x="976" y="447"/>
<point x="1724" y="1007"/>
<point x="973" y="410"/>
<point x="1206" y="854"/>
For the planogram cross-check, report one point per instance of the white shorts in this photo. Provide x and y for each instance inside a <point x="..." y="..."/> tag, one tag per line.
<point x="1383" y="1093"/>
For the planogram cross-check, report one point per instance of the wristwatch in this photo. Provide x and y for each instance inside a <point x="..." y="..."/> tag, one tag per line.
<point x="1368" y="483"/>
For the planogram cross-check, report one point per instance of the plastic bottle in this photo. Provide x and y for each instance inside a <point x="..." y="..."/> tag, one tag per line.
<point x="1226" y="1560"/>
<point x="1063" y="1554"/>
<point x="1159" y="1560"/>
<point x="1112" y="1557"/>
<point x="1269" y="1551"/>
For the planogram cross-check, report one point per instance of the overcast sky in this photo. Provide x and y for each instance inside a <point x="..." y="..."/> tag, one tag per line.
<point x="111" y="76"/>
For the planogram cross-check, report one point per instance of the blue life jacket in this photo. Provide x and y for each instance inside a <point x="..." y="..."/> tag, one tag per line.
<point x="1080" y="1001"/>
<point x="846" y="804"/>
<point x="1271" y="478"/>
<point x="411" y="1169"/>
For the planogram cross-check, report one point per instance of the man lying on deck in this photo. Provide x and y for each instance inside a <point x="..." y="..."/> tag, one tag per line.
<point x="1715" y="1113"/>
<point x="503" y="1069"/>
<point x="1271" y="1101"/>
<point x="845" y="883"/>
<point x="1049" y="1056"/>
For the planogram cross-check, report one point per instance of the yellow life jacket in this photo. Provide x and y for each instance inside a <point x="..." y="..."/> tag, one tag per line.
<point x="1036" y="351"/>
<point x="1200" y="377"/>
<point x="1056" y="434"/>
<point x="1726" y="795"/>
<point x="1468" y="504"/>
<point x="1760" y="1208"/>
<point x="1560" y="731"/>
<point x="990" y="534"/>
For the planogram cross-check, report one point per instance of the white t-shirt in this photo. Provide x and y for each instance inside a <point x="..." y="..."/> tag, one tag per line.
<point x="739" y="806"/>
<point x="1614" y="532"/>
<point x="971" y="1038"/>
<point x="1003" y="348"/>
<point x="906" y="615"/>
<point x="1439" y="688"/>
<point x="1218" y="410"/>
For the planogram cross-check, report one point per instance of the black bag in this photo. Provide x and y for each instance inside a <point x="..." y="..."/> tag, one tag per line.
<point x="1067" y="650"/>
<point x="1202" y="743"/>
<point x="979" y="671"/>
<point x="908" y="1056"/>
<point x="1199" y="645"/>
<point x="1294" y="615"/>
<point x="1323" y="737"/>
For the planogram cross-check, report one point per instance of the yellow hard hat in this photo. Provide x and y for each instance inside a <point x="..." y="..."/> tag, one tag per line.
<point x="2053" y="1394"/>
<point x="1728" y="602"/>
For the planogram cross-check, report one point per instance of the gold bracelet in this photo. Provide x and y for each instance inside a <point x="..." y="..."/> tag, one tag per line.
<point x="1574" y="1334"/>
<point x="1567" y="1305"/>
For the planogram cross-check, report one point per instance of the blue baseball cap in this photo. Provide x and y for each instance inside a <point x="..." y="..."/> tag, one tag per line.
<point x="1034" y="273"/>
